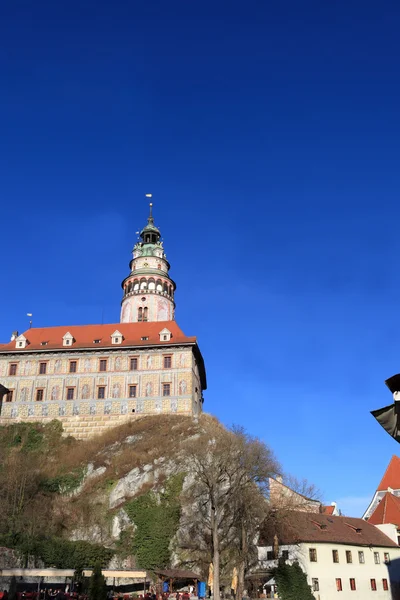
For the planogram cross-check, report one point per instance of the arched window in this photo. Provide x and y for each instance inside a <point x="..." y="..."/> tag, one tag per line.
<point x="140" y="314"/>
<point x="145" y="313"/>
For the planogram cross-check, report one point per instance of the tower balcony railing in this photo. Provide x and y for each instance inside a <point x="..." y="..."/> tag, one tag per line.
<point x="146" y="291"/>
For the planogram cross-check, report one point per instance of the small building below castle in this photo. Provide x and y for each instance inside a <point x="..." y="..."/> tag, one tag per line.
<point x="92" y="377"/>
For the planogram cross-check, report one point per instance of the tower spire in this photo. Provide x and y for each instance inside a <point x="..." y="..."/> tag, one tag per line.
<point x="148" y="289"/>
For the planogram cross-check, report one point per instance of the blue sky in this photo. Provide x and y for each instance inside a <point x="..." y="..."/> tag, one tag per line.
<point x="268" y="134"/>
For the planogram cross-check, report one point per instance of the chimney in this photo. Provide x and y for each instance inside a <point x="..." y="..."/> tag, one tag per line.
<point x="14" y="336"/>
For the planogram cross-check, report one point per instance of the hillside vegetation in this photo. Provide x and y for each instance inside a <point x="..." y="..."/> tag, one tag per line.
<point x="156" y="492"/>
<point x="62" y="499"/>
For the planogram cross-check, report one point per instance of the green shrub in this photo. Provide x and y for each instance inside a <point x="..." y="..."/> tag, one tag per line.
<point x="156" y="518"/>
<point x="292" y="582"/>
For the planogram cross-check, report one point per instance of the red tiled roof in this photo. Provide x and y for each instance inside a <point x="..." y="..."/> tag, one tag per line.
<point x="387" y="511"/>
<point x="85" y="334"/>
<point x="296" y="527"/>
<point x="391" y="478"/>
<point x="327" y="510"/>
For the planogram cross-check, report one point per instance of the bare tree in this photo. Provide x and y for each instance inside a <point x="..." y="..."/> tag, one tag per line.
<point x="230" y="472"/>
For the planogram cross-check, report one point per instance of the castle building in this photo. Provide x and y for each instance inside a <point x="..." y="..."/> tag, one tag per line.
<point x="91" y="377"/>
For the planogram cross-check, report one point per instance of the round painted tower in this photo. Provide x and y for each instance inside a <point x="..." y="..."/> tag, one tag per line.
<point x="148" y="289"/>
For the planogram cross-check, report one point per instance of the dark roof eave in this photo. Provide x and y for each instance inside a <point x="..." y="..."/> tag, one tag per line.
<point x="97" y="347"/>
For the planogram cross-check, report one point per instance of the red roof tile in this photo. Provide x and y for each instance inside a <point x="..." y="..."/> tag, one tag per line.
<point x="391" y="478"/>
<point x="387" y="511"/>
<point x="327" y="510"/>
<point x="85" y="334"/>
<point x="296" y="527"/>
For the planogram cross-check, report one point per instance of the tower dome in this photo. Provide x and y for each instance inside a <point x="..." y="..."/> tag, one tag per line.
<point x="148" y="290"/>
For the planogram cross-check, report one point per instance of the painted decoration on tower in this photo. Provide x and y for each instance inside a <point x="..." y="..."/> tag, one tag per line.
<point x="126" y="312"/>
<point x="162" y="309"/>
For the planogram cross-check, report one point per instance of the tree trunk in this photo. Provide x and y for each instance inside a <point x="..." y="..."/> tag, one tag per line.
<point x="240" y="587"/>
<point x="215" y="538"/>
<point x="241" y="563"/>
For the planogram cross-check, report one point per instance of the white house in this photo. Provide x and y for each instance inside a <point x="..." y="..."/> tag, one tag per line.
<point x="344" y="558"/>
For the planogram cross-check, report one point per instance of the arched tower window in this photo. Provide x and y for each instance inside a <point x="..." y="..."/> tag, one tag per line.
<point x="140" y="314"/>
<point x="145" y="313"/>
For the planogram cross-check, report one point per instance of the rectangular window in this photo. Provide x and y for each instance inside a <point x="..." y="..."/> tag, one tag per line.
<point x="377" y="560"/>
<point x="338" y="584"/>
<point x="70" y="393"/>
<point x="9" y="396"/>
<point x="349" y="558"/>
<point x="385" y="584"/>
<point x="313" y="554"/>
<point x="12" y="370"/>
<point x="285" y="554"/>
<point x="386" y="557"/>
<point x="42" y="368"/>
<point x="39" y="395"/>
<point x="101" y="392"/>
<point x="166" y="389"/>
<point x="352" y="584"/>
<point x="134" y="363"/>
<point x="132" y="391"/>
<point x="72" y="366"/>
<point x="103" y="364"/>
<point x="373" y="585"/>
<point x="270" y="555"/>
<point x="315" y="584"/>
<point x="335" y="556"/>
<point x="167" y="362"/>
<point x="361" y="559"/>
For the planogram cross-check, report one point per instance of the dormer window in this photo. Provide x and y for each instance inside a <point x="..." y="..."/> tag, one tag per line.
<point x="144" y="338"/>
<point x="21" y="341"/>
<point x="165" y="335"/>
<point x="116" y="337"/>
<point x="96" y="341"/>
<point x="68" y="339"/>
<point x="44" y="343"/>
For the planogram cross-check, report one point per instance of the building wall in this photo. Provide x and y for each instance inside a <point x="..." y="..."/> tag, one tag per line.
<point x="326" y="571"/>
<point x="85" y="414"/>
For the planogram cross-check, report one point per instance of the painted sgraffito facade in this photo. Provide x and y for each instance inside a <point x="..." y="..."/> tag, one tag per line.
<point x="96" y="376"/>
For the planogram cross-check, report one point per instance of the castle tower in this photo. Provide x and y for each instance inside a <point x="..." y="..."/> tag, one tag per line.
<point x="148" y="289"/>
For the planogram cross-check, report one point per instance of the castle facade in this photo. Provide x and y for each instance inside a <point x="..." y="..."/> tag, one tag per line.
<point x="92" y="377"/>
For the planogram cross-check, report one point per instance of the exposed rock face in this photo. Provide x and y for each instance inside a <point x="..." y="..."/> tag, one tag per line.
<point x="120" y="522"/>
<point x="131" y="484"/>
